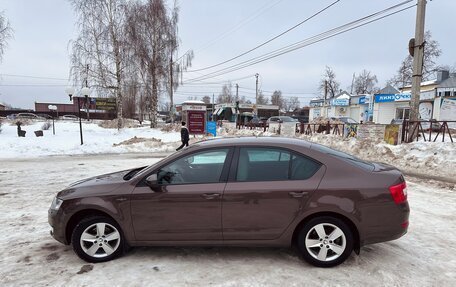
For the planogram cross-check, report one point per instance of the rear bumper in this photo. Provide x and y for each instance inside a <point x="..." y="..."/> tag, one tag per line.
<point x="388" y="227"/>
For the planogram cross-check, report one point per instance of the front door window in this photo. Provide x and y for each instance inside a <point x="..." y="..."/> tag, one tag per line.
<point x="203" y="167"/>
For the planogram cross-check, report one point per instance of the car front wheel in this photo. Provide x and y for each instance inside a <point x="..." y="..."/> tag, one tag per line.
<point x="325" y="241"/>
<point x="97" y="239"/>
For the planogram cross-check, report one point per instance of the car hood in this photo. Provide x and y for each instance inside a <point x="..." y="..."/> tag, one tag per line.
<point x="97" y="185"/>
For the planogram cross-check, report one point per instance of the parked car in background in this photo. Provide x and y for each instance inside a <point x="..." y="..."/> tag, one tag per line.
<point x="11" y="116"/>
<point x="28" y="116"/>
<point x="258" y="122"/>
<point x="69" y="117"/>
<point x="301" y="119"/>
<point x="282" y="119"/>
<point x="45" y="116"/>
<point x="266" y="191"/>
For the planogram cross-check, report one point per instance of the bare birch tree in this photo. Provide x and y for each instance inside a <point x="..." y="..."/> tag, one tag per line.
<point x="329" y="83"/>
<point x="277" y="99"/>
<point x="152" y="34"/>
<point x="98" y="51"/>
<point x="365" y="83"/>
<point x="404" y="74"/>
<point x="226" y="96"/>
<point x="6" y="33"/>
<point x="291" y="104"/>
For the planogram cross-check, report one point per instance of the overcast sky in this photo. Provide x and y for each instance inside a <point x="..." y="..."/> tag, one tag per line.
<point x="219" y="30"/>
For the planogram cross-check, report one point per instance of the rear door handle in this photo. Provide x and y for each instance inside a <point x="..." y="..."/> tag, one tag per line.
<point x="210" y="195"/>
<point x="297" y="194"/>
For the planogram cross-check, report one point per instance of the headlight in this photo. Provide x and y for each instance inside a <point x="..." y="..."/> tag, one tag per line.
<point x="56" y="203"/>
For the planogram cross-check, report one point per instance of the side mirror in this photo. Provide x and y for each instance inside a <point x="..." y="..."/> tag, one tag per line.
<point x="151" y="180"/>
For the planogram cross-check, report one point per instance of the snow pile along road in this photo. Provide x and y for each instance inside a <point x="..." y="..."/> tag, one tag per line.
<point x="425" y="158"/>
<point x="97" y="140"/>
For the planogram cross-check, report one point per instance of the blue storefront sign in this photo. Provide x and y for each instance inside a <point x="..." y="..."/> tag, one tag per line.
<point x="341" y="102"/>
<point x="211" y="128"/>
<point x="384" y="98"/>
<point x="362" y="100"/>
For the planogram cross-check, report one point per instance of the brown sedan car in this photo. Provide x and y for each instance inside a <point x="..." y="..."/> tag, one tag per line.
<point x="265" y="191"/>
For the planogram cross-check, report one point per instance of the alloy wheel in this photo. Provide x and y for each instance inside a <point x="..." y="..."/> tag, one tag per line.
<point x="325" y="242"/>
<point x="100" y="240"/>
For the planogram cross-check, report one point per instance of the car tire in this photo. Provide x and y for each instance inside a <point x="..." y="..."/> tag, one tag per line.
<point x="325" y="241"/>
<point x="98" y="239"/>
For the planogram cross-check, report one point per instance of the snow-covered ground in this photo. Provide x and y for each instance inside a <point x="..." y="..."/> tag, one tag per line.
<point x="31" y="257"/>
<point x="66" y="140"/>
<point x="33" y="169"/>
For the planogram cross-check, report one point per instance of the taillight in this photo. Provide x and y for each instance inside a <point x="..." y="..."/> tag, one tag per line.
<point x="399" y="192"/>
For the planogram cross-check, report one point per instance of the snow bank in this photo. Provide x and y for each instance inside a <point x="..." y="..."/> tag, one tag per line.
<point x="431" y="158"/>
<point x="434" y="159"/>
<point x="66" y="140"/>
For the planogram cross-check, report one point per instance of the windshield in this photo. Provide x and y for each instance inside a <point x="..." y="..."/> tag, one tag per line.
<point x="287" y="119"/>
<point x="348" y="120"/>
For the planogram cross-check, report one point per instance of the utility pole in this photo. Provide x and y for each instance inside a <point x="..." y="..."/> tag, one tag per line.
<point x="418" y="51"/>
<point x="326" y="96"/>
<point x="237" y="92"/>
<point x="237" y="105"/>
<point x="171" y="108"/>
<point x="213" y="107"/>
<point x="256" y="89"/>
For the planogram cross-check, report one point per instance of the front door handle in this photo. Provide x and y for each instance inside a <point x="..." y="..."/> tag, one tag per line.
<point x="297" y="194"/>
<point x="210" y="195"/>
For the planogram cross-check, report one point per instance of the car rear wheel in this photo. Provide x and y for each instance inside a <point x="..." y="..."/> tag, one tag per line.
<point x="97" y="239"/>
<point x="325" y="241"/>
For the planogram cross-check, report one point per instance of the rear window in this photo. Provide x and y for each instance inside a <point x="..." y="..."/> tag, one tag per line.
<point x="344" y="156"/>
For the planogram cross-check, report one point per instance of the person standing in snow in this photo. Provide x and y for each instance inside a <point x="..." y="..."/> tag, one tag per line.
<point x="184" y="136"/>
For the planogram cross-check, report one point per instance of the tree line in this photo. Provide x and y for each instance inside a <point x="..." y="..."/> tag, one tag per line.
<point x="125" y="49"/>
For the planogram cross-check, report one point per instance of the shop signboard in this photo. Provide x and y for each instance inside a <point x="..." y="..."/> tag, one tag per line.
<point x="212" y="128"/>
<point x="448" y="110"/>
<point x="425" y="110"/>
<point x="350" y="130"/>
<point x="194" y="108"/>
<point x="108" y="104"/>
<point x="392" y="134"/>
<point x="372" y="132"/>
<point x="384" y="98"/>
<point x="362" y="100"/>
<point x="196" y="122"/>
<point x="341" y="102"/>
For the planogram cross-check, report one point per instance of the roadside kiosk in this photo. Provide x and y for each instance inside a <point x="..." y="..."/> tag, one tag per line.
<point x="194" y="114"/>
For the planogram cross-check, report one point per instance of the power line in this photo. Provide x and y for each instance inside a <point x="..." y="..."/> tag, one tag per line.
<point x="240" y="24"/>
<point x="34" y="77"/>
<point x="309" y="41"/>
<point x="268" y="41"/>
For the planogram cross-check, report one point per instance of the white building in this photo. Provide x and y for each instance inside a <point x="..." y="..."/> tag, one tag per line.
<point x="437" y="101"/>
<point x="342" y="105"/>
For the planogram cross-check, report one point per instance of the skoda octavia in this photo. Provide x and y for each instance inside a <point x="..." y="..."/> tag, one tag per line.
<point x="266" y="191"/>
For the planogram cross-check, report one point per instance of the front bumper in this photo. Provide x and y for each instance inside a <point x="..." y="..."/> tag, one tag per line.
<point x="57" y="227"/>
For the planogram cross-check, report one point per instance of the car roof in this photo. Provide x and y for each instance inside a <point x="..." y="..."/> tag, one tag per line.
<point x="266" y="141"/>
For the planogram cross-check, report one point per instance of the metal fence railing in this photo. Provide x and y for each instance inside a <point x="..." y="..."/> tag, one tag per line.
<point x="428" y="130"/>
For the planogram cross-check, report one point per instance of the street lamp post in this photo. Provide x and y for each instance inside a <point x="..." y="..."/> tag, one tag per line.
<point x="53" y="108"/>
<point x="86" y="93"/>
<point x="70" y="92"/>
